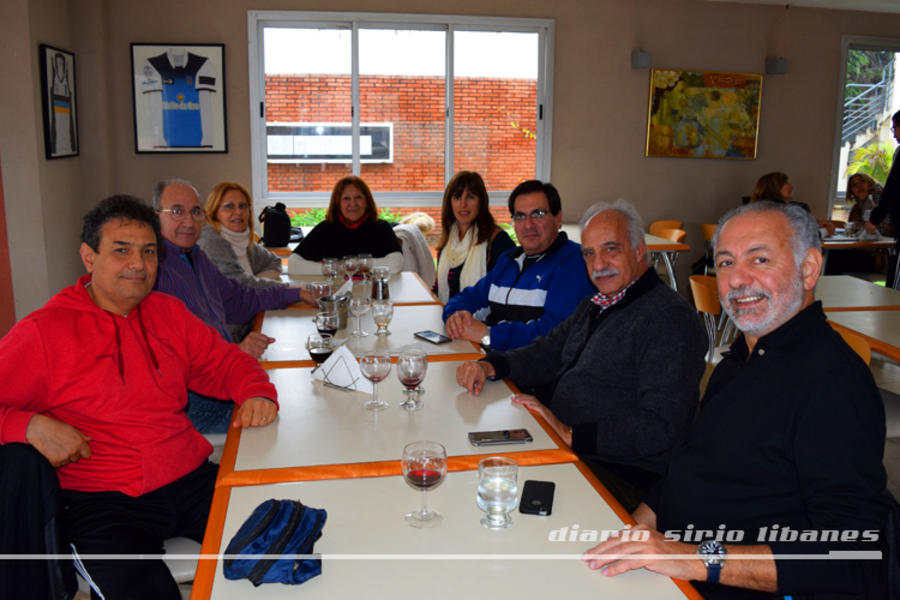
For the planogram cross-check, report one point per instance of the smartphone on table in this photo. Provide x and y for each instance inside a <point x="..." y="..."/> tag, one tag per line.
<point x="537" y="498"/>
<point x="432" y="336"/>
<point x="499" y="437"/>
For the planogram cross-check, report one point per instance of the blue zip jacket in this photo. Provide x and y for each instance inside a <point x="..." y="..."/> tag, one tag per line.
<point x="520" y="306"/>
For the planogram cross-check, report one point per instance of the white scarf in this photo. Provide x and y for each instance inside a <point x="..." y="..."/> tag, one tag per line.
<point x="459" y="251"/>
<point x="238" y="242"/>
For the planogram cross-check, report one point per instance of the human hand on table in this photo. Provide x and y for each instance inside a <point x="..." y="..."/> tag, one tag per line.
<point x="561" y="429"/>
<point x="255" y="412"/>
<point x="255" y="343"/>
<point x="462" y="325"/>
<point x="645" y="554"/>
<point x="473" y="373"/>
<point x="58" y="442"/>
<point x="870" y="228"/>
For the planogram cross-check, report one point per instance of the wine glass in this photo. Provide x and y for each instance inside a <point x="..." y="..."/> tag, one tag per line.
<point x="320" y="347"/>
<point x="364" y="263"/>
<point x="424" y="465"/>
<point x="411" y="367"/>
<point x="382" y="311"/>
<point x="331" y="267"/>
<point x="375" y="366"/>
<point x="320" y="289"/>
<point x="497" y="490"/>
<point x="351" y="264"/>
<point x="359" y="307"/>
<point x="327" y="322"/>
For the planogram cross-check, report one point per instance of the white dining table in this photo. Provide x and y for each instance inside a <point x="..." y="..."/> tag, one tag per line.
<point x="321" y="425"/>
<point x="368" y="550"/>
<point x="292" y="326"/>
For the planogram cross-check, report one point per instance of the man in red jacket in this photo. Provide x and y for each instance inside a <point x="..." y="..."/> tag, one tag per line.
<point x="96" y="381"/>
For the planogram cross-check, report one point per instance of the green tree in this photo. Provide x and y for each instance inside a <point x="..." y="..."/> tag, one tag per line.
<point x="873" y="159"/>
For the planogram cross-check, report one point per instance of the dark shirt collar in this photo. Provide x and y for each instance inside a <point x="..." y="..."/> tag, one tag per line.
<point x="636" y="289"/>
<point x="561" y="239"/>
<point x="176" y="250"/>
<point x="798" y="327"/>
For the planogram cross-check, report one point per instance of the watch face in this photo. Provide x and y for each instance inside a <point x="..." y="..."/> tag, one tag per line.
<point x="713" y="552"/>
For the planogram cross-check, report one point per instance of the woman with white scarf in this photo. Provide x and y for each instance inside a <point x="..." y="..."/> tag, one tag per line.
<point x="229" y="242"/>
<point x="470" y="241"/>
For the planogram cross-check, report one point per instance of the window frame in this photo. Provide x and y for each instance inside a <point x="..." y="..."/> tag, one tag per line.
<point x="258" y="20"/>
<point x="857" y="42"/>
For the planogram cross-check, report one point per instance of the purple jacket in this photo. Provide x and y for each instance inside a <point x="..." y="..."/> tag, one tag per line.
<point x="214" y="298"/>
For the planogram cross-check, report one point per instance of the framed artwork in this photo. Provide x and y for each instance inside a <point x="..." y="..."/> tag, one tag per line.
<point x="58" y="100"/>
<point x="703" y="114"/>
<point x="179" y="97"/>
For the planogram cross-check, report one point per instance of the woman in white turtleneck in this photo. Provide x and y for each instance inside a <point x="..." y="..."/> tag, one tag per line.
<point x="228" y="239"/>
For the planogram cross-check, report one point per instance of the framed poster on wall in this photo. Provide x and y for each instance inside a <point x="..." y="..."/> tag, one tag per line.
<point x="179" y="97"/>
<point x="58" y="102"/>
<point x="703" y="114"/>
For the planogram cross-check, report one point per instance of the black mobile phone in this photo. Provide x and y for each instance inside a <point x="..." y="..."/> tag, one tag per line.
<point x="537" y="498"/>
<point x="432" y="336"/>
<point x="501" y="436"/>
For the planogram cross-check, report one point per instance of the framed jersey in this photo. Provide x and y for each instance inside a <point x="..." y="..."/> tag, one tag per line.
<point x="58" y="93"/>
<point x="179" y="97"/>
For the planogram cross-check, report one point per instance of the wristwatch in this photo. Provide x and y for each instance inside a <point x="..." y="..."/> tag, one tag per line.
<point x="486" y="338"/>
<point x="712" y="554"/>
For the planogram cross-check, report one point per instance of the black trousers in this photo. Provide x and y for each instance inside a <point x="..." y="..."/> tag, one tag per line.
<point x="113" y="523"/>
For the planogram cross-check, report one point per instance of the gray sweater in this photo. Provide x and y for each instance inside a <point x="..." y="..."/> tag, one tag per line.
<point x="220" y="253"/>
<point x="627" y="381"/>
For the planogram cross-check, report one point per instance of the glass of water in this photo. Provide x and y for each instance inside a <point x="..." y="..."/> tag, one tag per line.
<point x="498" y="490"/>
<point x="382" y="311"/>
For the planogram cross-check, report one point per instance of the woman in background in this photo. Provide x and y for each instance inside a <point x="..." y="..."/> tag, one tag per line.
<point x="777" y="187"/>
<point x="470" y="241"/>
<point x="229" y="240"/>
<point x="351" y="227"/>
<point x="863" y="193"/>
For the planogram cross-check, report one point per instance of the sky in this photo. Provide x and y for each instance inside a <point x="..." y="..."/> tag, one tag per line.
<point x="400" y="52"/>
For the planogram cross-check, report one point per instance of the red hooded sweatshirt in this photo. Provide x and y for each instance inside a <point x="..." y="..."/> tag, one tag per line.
<point x="122" y="381"/>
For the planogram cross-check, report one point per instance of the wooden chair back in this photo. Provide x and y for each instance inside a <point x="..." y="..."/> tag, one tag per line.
<point x="857" y="342"/>
<point x="708" y="229"/>
<point x="706" y="294"/>
<point x="656" y="226"/>
<point x="676" y="235"/>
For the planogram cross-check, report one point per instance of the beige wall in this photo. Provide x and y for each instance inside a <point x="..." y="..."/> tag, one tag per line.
<point x="599" y="113"/>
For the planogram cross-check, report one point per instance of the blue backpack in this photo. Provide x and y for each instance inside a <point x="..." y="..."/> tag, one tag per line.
<point x="278" y="541"/>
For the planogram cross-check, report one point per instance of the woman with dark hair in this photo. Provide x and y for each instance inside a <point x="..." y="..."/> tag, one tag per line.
<point x="470" y="241"/>
<point x="351" y="227"/>
<point x="776" y="187"/>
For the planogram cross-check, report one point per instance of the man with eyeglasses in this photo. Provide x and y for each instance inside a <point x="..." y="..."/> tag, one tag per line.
<point x="187" y="273"/>
<point x="889" y="204"/>
<point x="533" y="288"/>
<point x="624" y="369"/>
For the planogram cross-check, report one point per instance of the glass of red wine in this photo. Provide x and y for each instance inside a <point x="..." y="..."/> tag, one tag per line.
<point x="411" y="367"/>
<point x="424" y="465"/>
<point x="375" y="367"/>
<point x="320" y="347"/>
<point x="327" y="322"/>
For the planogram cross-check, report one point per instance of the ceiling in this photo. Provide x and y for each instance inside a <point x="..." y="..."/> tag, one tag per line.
<point x="885" y="6"/>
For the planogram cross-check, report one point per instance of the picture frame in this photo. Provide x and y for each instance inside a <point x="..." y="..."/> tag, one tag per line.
<point x="178" y="96"/>
<point x="57" y="72"/>
<point x="703" y="114"/>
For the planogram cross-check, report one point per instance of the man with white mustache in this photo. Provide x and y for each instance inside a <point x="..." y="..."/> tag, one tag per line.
<point x="626" y="365"/>
<point x="789" y="438"/>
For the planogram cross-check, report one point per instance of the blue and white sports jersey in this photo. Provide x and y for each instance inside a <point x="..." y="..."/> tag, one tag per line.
<point x="180" y="85"/>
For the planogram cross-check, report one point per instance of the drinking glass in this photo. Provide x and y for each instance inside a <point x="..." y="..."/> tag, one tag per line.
<point x="424" y="465"/>
<point x="359" y="307"/>
<point x="351" y="264"/>
<point x="331" y="267"/>
<point x="497" y="490"/>
<point x="327" y="322"/>
<point x="382" y="311"/>
<point x="320" y="347"/>
<point x="375" y="367"/>
<point x="411" y="367"/>
<point x="320" y="289"/>
<point x="364" y="264"/>
<point x="362" y="288"/>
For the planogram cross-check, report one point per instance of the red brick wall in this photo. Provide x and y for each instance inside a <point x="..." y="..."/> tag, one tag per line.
<point x="495" y="125"/>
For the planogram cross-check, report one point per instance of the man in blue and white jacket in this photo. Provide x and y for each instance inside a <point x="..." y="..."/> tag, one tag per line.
<point x="533" y="288"/>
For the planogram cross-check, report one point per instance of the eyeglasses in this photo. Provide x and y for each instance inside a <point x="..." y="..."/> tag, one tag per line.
<point x="231" y="206"/>
<point x="178" y="213"/>
<point x="536" y="215"/>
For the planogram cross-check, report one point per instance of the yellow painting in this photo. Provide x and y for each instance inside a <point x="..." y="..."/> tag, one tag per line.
<point x="703" y="114"/>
